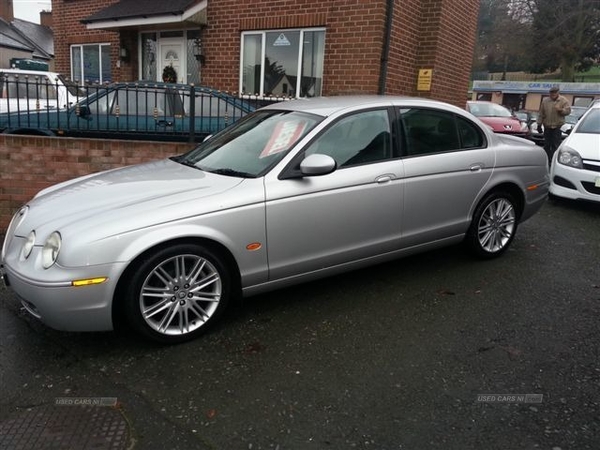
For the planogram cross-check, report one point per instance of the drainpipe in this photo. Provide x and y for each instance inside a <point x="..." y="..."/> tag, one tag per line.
<point x="386" y="46"/>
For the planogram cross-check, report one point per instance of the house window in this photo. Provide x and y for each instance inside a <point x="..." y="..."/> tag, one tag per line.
<point x="285" y="63"/>
<point x="90" y="63"/>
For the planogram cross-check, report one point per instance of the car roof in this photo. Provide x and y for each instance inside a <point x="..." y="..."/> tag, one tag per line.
<point x="326" y="106"/>
<point x="162" y="84"/>
<point x="29" y="72"/>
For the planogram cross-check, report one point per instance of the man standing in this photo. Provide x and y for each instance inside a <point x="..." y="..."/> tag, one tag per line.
<point x="552" y="115"/>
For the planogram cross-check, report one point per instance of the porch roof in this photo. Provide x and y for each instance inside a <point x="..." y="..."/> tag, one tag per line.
<point x="133" y="13"/>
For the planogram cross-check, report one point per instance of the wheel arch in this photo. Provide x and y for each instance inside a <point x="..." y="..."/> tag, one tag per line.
<point x="509" y="187"/>
<point x="118" y="303"/>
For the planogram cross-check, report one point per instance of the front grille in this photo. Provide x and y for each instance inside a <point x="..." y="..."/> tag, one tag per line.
<point x="590" y="164"/>
<point x="591" y="187"/>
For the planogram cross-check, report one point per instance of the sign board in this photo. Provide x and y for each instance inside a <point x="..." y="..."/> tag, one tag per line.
<point x="281" y="41"/>
<point x="424" y="80"/>
<point x="524" y="87"/>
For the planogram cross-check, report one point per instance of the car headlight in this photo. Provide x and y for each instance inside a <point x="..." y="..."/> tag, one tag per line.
<point x="28" y="246"/>
<point x="12" y="226"/>
<point x="569" y="157"/>
<point x="51" y="249"/>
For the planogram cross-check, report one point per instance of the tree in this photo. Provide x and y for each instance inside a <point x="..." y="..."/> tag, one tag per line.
<point x="503" y="34"/>
<point x="538" y="35"/>
<point x="567" y="35"/>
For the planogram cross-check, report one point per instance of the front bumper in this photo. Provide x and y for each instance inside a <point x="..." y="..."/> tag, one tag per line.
<point x="62" y="306"/>
<point x="575" y="184"/>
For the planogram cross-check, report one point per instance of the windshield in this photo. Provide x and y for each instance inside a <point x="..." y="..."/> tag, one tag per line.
<point x="575" y="115"/>
<point x="250" y="147"/>
<point x="72" y="87"/>
<point x="488" y="110"/>
<point x="590" y="123"/>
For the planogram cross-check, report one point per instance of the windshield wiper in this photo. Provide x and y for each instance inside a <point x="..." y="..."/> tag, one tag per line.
<point x="231" y="173"/>
<point x="179" y="159"/>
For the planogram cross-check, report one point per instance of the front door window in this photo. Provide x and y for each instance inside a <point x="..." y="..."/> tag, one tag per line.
<point x="173" y="50"/>
<point x="172" y="61"/>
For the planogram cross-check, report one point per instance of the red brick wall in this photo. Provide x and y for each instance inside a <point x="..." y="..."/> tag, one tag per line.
<point x="29" y="164"/>
<point x="447" y="43"/>
<point x="404" y="46"/>
<point x="69" y="30"/>
<point x="437" y="34"/>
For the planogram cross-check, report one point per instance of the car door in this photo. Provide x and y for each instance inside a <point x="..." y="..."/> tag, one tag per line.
<point x="353" y="213"/>
<point x="447" y="163"/>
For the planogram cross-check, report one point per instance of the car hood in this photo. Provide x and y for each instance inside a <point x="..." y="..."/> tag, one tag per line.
<point x="500" y="124"/>
<point x="127" y="198"/>
<point x="586" y="144"/>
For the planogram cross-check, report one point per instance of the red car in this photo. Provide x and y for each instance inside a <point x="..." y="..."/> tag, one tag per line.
<point x="498" y="118"/>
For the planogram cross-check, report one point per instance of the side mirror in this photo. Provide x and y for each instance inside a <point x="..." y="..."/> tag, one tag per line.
<point x="83" y="111"/>
<point x="317" y="164"/>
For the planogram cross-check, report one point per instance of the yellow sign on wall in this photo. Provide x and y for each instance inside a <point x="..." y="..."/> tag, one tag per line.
<point x="424" y="80"/>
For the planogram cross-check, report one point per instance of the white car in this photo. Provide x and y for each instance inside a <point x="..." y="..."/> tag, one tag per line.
<point x="575" y="169"/>
<point x="34" y="90"/>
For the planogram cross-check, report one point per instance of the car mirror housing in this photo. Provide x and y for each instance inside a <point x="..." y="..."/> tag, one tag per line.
<point x="83" y="111"/>
<point x="317" y="164"/>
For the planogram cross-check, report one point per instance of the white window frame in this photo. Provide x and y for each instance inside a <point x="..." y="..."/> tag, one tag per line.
<point x="158" y="31"/>
<point x="263" y="34"/>
<point x="80" y="46"/>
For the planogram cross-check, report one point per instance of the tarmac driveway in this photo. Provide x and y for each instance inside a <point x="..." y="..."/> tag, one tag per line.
<point x="398" y="356"/>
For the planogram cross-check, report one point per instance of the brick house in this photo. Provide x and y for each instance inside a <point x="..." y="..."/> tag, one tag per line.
<point x="296" y="48"/>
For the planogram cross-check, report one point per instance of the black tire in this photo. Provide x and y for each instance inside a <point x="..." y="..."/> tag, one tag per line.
<point x="494" y="225"/>
<point x="177" y="293"/>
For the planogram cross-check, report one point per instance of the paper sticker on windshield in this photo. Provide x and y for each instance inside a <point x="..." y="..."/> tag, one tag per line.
<point x="284" y="136"/>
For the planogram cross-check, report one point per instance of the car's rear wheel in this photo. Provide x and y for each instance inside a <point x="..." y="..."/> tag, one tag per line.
<point x="177" y="293"/>
<point x="494" y="225"/>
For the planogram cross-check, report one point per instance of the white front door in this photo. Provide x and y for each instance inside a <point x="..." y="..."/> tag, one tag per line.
<point x="172" y="54"/>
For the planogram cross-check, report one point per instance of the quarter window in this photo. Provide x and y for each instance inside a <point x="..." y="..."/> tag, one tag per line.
<point x="282" y="63"/>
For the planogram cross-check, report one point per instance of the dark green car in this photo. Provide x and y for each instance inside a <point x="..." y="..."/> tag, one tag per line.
<point x="157" y="111"/>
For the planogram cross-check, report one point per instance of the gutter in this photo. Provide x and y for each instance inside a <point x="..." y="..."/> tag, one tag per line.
<point x="385" y="53"/>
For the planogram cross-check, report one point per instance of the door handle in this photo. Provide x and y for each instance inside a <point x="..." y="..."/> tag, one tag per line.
<point x="164" y="123"/>
<point x="383" y="179"/>
<point x="476" y="167"/>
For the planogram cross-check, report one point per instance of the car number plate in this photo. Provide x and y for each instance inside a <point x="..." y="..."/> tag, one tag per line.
<point x="598" y="182"/>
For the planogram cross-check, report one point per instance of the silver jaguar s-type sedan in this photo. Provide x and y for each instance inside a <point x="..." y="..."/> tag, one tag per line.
<point x="293" y="192"/>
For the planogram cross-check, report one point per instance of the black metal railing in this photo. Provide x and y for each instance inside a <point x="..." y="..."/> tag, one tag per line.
<point x="142" y="110"/>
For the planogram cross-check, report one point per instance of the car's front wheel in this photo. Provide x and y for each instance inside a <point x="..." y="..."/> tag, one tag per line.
<point x="494" y="225"/>
<point x="176" y="293"/>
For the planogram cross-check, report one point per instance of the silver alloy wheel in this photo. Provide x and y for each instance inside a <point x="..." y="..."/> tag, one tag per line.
<point x="180" y="294"/>
<point x="497" y="225"/>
